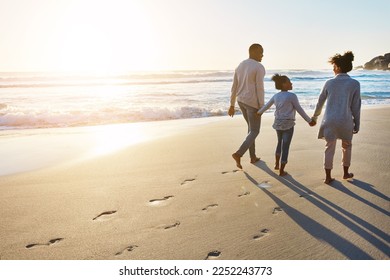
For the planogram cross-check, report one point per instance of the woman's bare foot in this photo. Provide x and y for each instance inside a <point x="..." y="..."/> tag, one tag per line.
<point x="328" y="180"/>
<point x="348" y="175"/>
<point x="328" y="176"/>
<point x="276" y="167"/>
<point x="237" y="158"/>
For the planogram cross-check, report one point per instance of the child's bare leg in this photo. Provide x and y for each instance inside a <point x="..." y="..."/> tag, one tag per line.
<point x="277" y="159"/>
<point x="328" y="178"/>
<point x="281" y="171"/>
<point x="346" y="174"/>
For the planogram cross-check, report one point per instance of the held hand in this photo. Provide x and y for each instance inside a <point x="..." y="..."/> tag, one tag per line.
<point x="312" y="123"/>
<point x="231" y="111"/>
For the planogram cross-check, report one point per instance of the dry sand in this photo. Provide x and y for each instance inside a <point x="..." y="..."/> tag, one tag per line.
<point x="175" y="193"/>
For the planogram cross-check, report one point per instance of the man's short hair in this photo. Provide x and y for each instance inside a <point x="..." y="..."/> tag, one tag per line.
<point x="254" y="48"/>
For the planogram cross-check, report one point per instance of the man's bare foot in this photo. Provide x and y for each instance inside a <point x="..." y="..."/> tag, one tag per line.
<point x="255" y="159"/>
<point x="276" y="167"/>
<point x="348" y="176"/>
<point x="328" y="180"/>
<point x="237" y="158"/>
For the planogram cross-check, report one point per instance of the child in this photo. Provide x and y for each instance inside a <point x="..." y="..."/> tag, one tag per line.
<point x="286" y="104"/>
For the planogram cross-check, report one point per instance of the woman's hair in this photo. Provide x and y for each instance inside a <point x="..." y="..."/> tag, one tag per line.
<point x="343" y="61"/>
<point x="279" y="80"/>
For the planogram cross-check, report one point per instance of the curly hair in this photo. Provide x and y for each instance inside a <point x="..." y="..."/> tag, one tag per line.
<point x="343" y="61"/>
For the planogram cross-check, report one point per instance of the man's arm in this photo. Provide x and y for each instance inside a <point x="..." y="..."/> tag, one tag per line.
<point x="233" y="95"/>
<point x="260" y="85"/>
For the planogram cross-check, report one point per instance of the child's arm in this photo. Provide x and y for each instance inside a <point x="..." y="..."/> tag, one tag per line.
<point x="266" y="106"/>
<point x="299" y="109"/>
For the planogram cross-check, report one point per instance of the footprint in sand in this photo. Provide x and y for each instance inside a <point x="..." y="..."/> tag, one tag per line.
<point x="213" y="255"/>
<point x="186" y="181"/>
<point x="264" y="185"/>
<point x="51" y="242"/>
<point x="160" y="201"/>
<point x="127" y="249"/>
<point x="209" y="206"/>
<point x="276" y="210"/>
<point x="104" y="215"/>
<point x="262" y="233"/>
<point x="233" y="171"/>
<point x="306" y="194"/>
<point x="244" y="194"/>
<point x="171" y="226"/>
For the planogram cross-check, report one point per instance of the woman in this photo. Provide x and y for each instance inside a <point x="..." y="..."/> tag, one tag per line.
<point x="286" y="104"/>
<point x="342" y="115"/>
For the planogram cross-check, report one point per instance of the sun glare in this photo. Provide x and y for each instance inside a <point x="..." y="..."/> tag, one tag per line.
<point x="100" y="38"/>
<point x="111" y="138"/>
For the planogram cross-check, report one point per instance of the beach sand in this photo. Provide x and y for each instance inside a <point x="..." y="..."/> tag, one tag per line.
<point x="171" y="190"/>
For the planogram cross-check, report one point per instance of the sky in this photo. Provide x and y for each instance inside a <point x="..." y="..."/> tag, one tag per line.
<point x="153" y="35"/>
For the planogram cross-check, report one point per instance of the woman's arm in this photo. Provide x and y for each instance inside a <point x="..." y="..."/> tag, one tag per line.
<point x="321" y="101"/>
<point x="355" y="108"/>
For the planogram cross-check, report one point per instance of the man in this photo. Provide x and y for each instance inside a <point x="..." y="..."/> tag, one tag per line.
<point x="248" y="90"/>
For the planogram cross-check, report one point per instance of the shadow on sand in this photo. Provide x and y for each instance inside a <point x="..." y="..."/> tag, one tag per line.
<point x="369" y="188"/>
<point x="351" y="221"/>
<point x="340" y="187"/>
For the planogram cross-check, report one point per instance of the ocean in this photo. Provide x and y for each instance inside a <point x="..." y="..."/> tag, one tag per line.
<point x="42" y="100"/>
